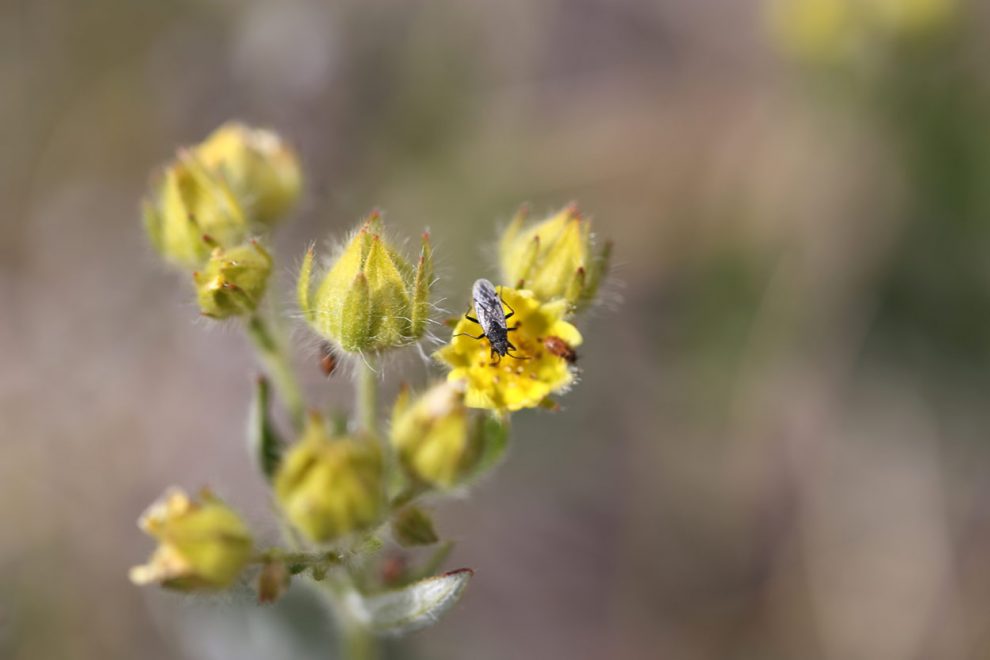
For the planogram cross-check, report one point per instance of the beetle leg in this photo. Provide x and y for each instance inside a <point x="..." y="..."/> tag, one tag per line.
<point x="502" y="300"/>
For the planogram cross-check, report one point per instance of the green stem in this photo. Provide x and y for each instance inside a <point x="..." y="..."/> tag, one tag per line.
<point x="367" y="398"/>
<point x="276" y="362"/>
<point x="356" y="640"/>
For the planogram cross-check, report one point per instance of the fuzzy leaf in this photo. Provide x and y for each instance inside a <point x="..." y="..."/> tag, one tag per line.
<point x="418" y="605"/>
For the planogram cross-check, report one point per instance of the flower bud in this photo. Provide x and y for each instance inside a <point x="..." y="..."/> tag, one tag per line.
<point x="190" y="202"/>
<point x="438" y="440"/>
<point x="330" y="486"/>
<point x="554" y="258"/>
<point x="371" y="299"/>
<point x="260" y="168"/>
<point x="202" y="545"/>
<point x="233" y="281"/>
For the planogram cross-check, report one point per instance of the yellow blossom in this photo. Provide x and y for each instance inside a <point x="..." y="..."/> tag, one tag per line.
<point x="512" y="384"/>
<point x="202" y="545"/>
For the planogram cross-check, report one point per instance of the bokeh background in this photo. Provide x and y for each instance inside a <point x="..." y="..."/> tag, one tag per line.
<point x="779" y="447"/>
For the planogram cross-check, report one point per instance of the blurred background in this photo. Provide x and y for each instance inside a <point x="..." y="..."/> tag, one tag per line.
<point x="779" y="447"/>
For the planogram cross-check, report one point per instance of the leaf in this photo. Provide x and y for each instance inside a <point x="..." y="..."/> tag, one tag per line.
<point x="263" y="442"/>
<point x="412" y="526"/>
<point x="418" y="605"/>
<point x="494" y="432"/>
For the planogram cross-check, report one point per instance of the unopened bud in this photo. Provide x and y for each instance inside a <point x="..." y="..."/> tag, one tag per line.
<point x="260" y="168"/>
<point x="189" y="202"/>
<point x="371" y="299"/>
<point x="202" y="545"/>
<point x="438" y="439"/>
<point x="330" y="486"/>
<point x="554" y="258"/>
<point x="233" y="281"/>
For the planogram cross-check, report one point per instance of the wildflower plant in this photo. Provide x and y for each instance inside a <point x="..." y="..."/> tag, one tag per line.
<point x="351" y="494"/>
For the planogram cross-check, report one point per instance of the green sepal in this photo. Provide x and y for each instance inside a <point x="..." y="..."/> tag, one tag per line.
<point x="304" y="285"/>
<point x="355" y="331"/>
<point x="421" y="288"/>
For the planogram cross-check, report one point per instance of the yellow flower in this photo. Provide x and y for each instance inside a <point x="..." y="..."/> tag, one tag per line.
<point x="188" y="203"/>
<point x="260" y="168"/>
<point x="202" y="545"/>
<point x="371" y="299"/>
<point x="330" y="486"/>
<point x="233" y="281"/>
<point x="510" y="384"/>
<point x="554" y="258"/>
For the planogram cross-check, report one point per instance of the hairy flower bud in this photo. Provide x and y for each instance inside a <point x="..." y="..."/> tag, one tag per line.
<point x="371" y="299"/>
<point x="202" y="545"/>
<point x="189" y="202"/>
<point x="330" y="486"/>
<point x="259" y="167"/>
<point x="439" y="441"/>
<point x="554" y="258"/>
<point x="233" y="280"/>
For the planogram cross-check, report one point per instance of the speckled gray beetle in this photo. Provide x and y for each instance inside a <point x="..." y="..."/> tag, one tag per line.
<point x="492" y="319"/>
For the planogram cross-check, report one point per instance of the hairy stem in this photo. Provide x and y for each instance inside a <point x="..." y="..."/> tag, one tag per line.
<point x="367" y="398"/>
<point x="358" y="642"/>
<point x="272" y="355"/>
<point x="355" y="639"/>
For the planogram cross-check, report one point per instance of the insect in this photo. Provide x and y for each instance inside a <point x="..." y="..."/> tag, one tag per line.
<point x="328" y="361"/>
<point x="492" y="319"/>
<point x="560" y="348"/>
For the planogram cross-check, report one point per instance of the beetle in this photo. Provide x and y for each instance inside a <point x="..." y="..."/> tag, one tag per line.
<point x="557" y="346"/>
<point x="328" y="360"/>
<point x="492" y="319"/>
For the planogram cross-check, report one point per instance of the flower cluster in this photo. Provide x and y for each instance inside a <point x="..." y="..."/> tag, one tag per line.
<point x="210" y="207"/>
<point x="555" y="265"/>
<point x="348" y="487"/>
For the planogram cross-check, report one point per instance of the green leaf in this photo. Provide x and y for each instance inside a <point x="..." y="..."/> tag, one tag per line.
<point x="412" y="526"/>
<point x="264" y="443"/>
<point x="418" y="605"/>
<point x="494" y="432"/>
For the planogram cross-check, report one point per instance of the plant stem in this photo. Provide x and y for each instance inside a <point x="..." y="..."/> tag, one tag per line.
<point x="367" y="398"/>
<point x="358" y="642"/>
<point x="272" y="355"/>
